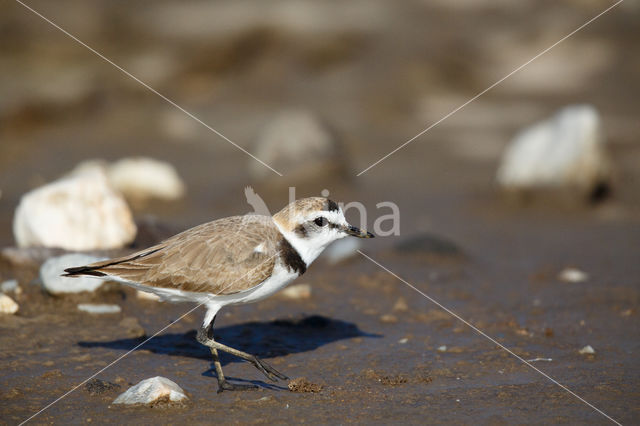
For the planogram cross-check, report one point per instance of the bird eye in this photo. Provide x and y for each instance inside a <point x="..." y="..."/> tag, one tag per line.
<point x="321" y="221"/>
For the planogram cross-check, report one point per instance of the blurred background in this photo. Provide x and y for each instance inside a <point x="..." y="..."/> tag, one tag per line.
<point x="320" y="91"/>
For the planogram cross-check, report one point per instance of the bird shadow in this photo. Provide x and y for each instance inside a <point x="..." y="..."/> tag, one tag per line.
<point x="263" y="339"/>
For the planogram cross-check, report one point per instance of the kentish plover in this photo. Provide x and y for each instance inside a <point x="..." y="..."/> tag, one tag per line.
<point x="230" y="261"/>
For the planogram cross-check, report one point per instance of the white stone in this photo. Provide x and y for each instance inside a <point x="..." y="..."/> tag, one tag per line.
<point x="7" y="305"/>
<point x="144" y="178"/>
<point x="78" y="212"/>
<point x="564" y="151"/>
<point x="442" y="348"/>
<point x="587" y="350"/>
<point x="51" y="274"/>
<point x="152" y="390"/>
<point x="97" y="308"/>
<point x="297" y="292"/>
<point x="342" y="249"/>
<point x="295" y="143"/>
<point x="572" y="275"/>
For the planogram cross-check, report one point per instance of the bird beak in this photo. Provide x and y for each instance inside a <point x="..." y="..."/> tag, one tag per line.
<point x="352" y="230"/>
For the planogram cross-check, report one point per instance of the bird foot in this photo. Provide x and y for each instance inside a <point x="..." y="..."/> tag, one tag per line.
<point x="224" y="385"/>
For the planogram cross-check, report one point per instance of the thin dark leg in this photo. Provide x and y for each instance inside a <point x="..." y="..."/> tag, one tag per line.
<point x="205" y="336"/>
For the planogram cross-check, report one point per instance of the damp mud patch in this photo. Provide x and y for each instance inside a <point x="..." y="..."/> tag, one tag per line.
<point x="302" y="385"/>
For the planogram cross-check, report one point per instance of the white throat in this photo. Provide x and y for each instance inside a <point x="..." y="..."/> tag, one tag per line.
<point x="308" y="250"/>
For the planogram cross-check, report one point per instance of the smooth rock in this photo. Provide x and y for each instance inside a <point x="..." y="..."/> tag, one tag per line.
<point x="7" y="305"/>
<point x="54" y="283"/>
<point x="296" y="144"/>
<point x="564" y="151"/>
<point x="96" y="308"/>
<point x="144" y="178"/>
<point x="155" y="389"/>
<point x="297" y="292"/>
<point x="78" y="212"/>
<point x="342" y="249"/>
<point x="442" y="348"/>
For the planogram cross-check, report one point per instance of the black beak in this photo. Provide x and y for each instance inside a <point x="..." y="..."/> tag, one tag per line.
<point x="352" y="230"/>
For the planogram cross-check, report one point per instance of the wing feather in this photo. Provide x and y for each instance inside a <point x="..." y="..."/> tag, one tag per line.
<point x="217" y="257"/>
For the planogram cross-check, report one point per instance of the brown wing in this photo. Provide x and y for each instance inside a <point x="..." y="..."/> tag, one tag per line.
<point x="218" y="257"/>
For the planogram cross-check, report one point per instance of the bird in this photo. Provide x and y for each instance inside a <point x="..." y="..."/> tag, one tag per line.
<point x="231" y="261"/>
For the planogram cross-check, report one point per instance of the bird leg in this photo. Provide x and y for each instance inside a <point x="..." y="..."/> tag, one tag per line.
<point x="205" y="336"/>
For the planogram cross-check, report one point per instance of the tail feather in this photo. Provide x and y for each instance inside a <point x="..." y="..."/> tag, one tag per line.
<point x="83" y="270"/>
<point x="94" y="269"/>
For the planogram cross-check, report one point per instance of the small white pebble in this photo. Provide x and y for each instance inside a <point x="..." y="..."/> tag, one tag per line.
<point x="442" y="348"/>
<point x="297" y="292"/>
<point x="145" y="295"/>
<point x="587" y="350"/>
<point x="403" y="340"/>
<point x="572" y="275"/>
<point x="94" y="308"/>
<point x="7" y="305"/>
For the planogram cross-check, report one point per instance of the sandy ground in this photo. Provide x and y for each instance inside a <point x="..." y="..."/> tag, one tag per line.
<point x="368" y="341"/>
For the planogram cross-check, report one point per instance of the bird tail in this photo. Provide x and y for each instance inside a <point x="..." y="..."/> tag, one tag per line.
<point x="83" y="270"/>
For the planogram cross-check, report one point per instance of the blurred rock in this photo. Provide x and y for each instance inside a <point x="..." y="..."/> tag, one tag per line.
<point x="424" y="242"/>
<point x="9" y="286"/>
<point x="400" y="305"/>
<point x="342" y="250"/>
<point x="150" y="391"/>
<point x="388" y="319"/>
<point x="145" y="178"/>
<point x="132" y="327"/>
<point x="566" y="151"/>
<point x="97" y="308"/>
<point x="572" y="275"/>
<point x="297" y="292"/>
<point x="7" y="305"/>
<point x="54" y="283"/>
<point x="298" y="145"/>
<point x="78" y="212"/>
<point x="26" y="257"/>
<point x="139" y="179"/>
<point x="587" y="350"/>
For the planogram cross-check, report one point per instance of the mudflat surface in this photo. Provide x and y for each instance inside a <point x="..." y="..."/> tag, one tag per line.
<point x="370" y="347"/>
